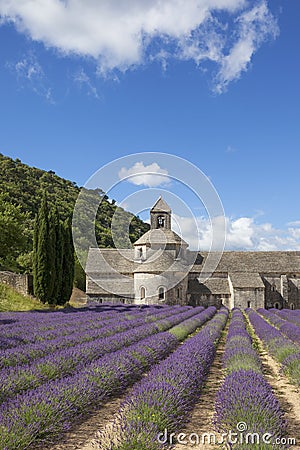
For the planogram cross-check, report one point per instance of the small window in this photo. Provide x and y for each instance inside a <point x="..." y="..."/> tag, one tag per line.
<point x="140" y="252"/>
<point x="249" y="304"/>
<point x="143" y="293"/>
<point x="161" y="293"/>
<point x="292" y="306"/>
<point x="276" y="305"/>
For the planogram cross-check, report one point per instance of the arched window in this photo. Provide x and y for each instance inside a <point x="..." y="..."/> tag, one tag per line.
<point x="276" y="305"/>
<point x="160" y="222"/>
<point x="161" y="293"/>
<point x="143" y="293"/>
<point x="292" y="306"/>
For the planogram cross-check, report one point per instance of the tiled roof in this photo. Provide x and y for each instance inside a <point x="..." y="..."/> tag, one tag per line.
<point x="216" y="286"/>
<point x="160" y="236"/>
<point x="161" y="206"/>
<point x="249" y="263"/>
<point x="255" y="262"/>
<point x="106" y="260"/>
<point x="246" y="280"/>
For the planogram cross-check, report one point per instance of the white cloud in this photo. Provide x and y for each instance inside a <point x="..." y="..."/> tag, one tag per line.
<point x="30" y="73"/>
<point x="118" y="34"/>
<point x="82" y="78"/>
<point x="295" y="223"/>
<point x="254" y="27"/>
<point x="139" y="174"/>
<point x="243" y="233"/>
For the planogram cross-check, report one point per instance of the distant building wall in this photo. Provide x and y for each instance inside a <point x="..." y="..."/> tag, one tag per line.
<point x="294" y="293"/>
<point x="253" y="298"/>
<point x="22" y="283"/>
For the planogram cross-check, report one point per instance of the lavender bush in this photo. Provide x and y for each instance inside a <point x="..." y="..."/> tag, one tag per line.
<point x="163" y="399"/>
<point x="44" y="412"/>
<point x="279" y="346"/>
<point x="290" y="330"/>
<point x="245" y="396"/>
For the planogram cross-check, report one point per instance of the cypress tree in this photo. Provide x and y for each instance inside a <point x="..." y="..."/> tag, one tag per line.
<point x="51" y="257"/>
<point x="34" y="260"/>
<point x="42" y="273"/>
<point x="58" y="256"/>
<point x="68" y="263"/>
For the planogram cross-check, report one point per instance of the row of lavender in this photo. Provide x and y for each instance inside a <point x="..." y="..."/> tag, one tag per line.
<point x="159" y="404"/>
<point x="288" y="314"/>
<point x="288" y="328"/>
<point x="285" y="351"/>
<point x="245" y="397"/>
<point x="66" y="361"/>
<point x="48" y="326"/>
<point x="44" y="412"/>
<point x="26" y="353"/>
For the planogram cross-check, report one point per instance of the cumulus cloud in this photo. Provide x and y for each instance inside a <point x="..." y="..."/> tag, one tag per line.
<point x="140" y="175"/>
<point x="242" y="234"/>
<point x="119" y="34"/>
<point x="254" y="27"/>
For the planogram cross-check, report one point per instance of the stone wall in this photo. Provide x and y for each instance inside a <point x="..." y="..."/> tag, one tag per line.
<point x="22" y="283"/>
<point x="294" y="293"/>
<point x="246" y="297"/>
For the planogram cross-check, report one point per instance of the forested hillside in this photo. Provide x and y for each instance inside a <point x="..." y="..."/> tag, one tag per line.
<point x="21" y="192"/>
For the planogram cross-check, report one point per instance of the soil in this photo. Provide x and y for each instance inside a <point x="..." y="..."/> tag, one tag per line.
<point x="82" y="435"/>
<point x="201" y="419"/>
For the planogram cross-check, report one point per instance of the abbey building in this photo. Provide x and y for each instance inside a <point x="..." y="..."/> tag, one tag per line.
<point x="160" y="269"/>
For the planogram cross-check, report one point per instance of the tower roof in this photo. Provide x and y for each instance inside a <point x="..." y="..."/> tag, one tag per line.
<point x="161" y="236"/>
<point x="161" y="206"/>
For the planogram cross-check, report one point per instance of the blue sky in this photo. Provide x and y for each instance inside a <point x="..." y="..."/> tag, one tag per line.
<point x="83" y="83"/>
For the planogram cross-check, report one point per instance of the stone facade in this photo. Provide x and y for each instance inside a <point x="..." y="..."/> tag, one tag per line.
<point x="146" y="273"/>
<point x="22" y="283"/>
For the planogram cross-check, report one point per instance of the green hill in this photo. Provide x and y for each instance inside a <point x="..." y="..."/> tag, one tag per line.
<point x="21" y="190"/>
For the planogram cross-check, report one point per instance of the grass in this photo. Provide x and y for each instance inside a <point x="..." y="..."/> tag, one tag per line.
<point x="11" y="300"/>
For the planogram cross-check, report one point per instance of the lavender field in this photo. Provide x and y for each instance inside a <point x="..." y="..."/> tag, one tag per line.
<point x="166" y="364"/>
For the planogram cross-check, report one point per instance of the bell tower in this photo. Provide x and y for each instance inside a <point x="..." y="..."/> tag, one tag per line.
<point x="160" y="215"/>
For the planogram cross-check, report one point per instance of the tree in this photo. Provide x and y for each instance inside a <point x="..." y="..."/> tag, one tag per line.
<point x="58" y="262"/>
<point x="12" y="235"/>
<point x="53" y="257"/>
<point x="67" y="264"/>
<point x="42" y="282"/>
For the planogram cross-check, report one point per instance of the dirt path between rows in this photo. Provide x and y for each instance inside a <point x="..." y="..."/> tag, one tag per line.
<point x="84" y="432"/>
<point x="201" y="420"/>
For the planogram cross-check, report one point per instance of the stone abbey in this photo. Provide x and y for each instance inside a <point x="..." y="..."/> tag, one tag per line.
<point x="160" y="269"/>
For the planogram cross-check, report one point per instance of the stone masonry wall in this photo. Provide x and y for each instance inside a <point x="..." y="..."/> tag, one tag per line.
<point x="22" y="283"/>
